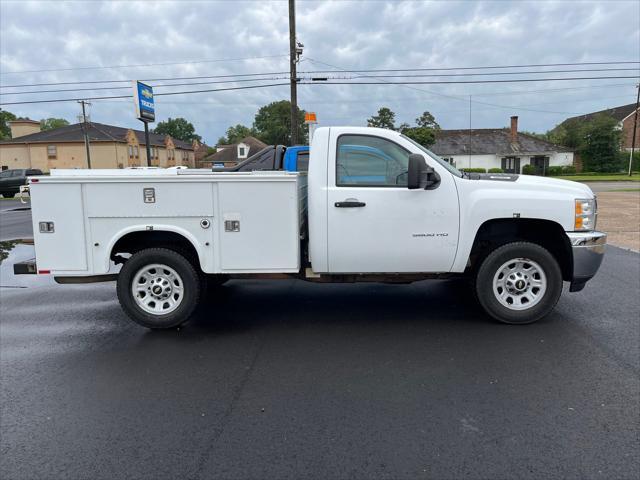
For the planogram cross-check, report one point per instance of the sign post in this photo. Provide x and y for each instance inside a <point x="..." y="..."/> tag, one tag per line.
<point x="145" y="111"/>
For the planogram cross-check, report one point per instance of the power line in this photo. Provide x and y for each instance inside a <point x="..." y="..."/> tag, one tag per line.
<point x="154" y="86"/>
<point x="438" y="82"/>
<point x="469" y="68"/>
<point x="141" y="65"/>
<point x="463" y="99"/>
<point x="57" y="100"/>
<point x="544" y="72"/>
<point x="244" y="80"/>
<point x="322" y="71"/>
<point x="90" y="82"/>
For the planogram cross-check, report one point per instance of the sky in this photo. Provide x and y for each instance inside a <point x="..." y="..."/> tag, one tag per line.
<point x="56" y="41"/>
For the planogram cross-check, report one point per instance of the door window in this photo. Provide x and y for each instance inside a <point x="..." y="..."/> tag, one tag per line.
<point x="367" y="161"/>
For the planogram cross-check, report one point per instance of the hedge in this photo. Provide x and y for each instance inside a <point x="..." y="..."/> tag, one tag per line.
<point x="474" y="170"/>
<point x="496" y="170"/>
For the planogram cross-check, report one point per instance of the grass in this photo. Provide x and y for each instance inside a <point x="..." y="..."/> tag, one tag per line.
<point x="605" y="177"/>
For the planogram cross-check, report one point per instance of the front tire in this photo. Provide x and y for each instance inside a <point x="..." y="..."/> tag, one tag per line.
<point x="519" y="283"/>
<point x="158" y="288"/>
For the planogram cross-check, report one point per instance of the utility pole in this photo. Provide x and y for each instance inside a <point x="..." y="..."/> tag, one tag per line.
<point x="635" y="127"/>
<point x="469" y="147"/>
<point x="85" y="131"/>
<point x="292" y="72"/>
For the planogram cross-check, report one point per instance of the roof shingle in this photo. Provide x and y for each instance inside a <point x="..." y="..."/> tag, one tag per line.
<point x="481" y="141"/>
<point x="97" y="132"/>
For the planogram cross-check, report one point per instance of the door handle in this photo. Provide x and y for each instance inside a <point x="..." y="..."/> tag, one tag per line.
<point x="349" y="204"/>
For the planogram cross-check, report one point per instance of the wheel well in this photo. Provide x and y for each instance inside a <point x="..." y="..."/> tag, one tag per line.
<point x="546" y="233"/>
<point x="136" y="241"/>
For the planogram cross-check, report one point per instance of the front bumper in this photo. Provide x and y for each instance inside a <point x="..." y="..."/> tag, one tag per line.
<point x="588" y="251"/>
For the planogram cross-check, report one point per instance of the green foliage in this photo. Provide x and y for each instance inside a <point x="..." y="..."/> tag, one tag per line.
<point x="423" y="135"/>
<point x="597" y="141"/>
<point x="5" y="130"/>
<point x="51" y="123"/>
<point x="427" y="120"/>
<point x="528" y="170"/>
<point x="601" y="143"/>
<point x="384" y="119"/>
<point x="211" y="150"/>
<point x="272" y="124"/>
<point x="623" y="160"/>
<point x="178" y="128"/>
<point x="554" y="171"/>
<point x="235" y="134"/>
<point x="473" y="170"/>
<point x="496" y="170"/>
<point x="541" y="136"/>
<point x="568" y="170"/>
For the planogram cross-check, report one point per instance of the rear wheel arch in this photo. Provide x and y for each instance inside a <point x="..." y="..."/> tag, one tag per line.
<point x="132" y="241"/>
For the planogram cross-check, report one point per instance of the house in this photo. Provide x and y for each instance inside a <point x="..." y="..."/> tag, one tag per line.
<point x="624" y="115"/>
<point x="110" y="147"/>
<point x="230" y="155"/>
<point x="504" y="148"/>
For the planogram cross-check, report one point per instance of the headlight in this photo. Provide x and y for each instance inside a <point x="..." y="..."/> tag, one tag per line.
<point x="585" y="214"/>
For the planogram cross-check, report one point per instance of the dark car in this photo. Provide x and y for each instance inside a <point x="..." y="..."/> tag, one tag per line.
<point x="11" y="180"/>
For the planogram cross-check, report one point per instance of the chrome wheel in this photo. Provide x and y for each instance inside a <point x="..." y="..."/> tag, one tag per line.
<point x="157" y="289"/>
<point x="519" y="284"/>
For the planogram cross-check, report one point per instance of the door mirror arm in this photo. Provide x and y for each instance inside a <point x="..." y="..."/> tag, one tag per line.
<point x="420" y="175"/>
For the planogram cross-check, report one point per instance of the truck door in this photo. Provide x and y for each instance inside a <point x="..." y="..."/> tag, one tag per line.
<point x="376" y="224"/>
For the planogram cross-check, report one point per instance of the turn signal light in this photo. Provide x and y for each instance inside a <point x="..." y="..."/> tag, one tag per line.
<point x="585" y="214"/>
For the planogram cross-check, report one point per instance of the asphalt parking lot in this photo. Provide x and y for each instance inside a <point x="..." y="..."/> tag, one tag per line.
<point x="283" y="379"/>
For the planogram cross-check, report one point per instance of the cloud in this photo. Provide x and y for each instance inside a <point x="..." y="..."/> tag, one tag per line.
<point x="347" y="34"/>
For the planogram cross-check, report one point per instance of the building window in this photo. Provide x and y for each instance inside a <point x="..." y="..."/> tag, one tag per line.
<point x="511" y="164"/>
<point x="52" y="151"/>
<point x="136" y="151"/>
<point x="130" y="151"/>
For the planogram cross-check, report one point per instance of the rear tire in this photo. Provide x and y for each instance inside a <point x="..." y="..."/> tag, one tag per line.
<point x="9" y="194"/>
<point x="158" y="288"/>
<point x="519" y="283"/>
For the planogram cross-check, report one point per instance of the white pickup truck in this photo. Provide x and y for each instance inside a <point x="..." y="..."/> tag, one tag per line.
<point x="374" y="206"/>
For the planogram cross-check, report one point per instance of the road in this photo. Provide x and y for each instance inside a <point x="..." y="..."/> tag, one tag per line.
<point x="15" y="220"/>
<point x="612" y="186"/>
<point x="293" y="380"/>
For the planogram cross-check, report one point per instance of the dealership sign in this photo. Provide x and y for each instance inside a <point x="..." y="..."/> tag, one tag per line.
<point x="143" y="99"/>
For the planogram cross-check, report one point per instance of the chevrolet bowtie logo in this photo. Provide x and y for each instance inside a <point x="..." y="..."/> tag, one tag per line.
<point x="146" y="93"/>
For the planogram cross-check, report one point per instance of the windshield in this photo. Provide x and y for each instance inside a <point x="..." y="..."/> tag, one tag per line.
<point x="446" y="165"/>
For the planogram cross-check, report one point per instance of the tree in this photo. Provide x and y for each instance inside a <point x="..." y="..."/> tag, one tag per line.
<point x="235" y="134"/>
<point x="427" y="120"/>
<point x="51" y="123"/>
<point x="601" y="144"/>
<point x="179" y="129"/>
<point x="384" y="119"/>
<point x="5" y="130"/>
<point x="597" y="141"/>
<point x="272" y="124"/>
<point x="423" y="135"/>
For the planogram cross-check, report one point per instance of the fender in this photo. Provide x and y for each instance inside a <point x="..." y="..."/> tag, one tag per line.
<point x="155" y="228"/>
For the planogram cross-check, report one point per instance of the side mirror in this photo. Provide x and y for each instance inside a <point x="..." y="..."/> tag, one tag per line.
<point x="420" y="175"/>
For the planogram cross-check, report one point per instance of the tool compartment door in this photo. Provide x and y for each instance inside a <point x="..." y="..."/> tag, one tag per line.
<point x="258" y="226"/>
<point x="64" y="249"/>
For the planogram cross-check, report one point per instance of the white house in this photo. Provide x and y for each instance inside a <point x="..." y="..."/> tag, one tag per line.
<point x="504" y="148"/>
